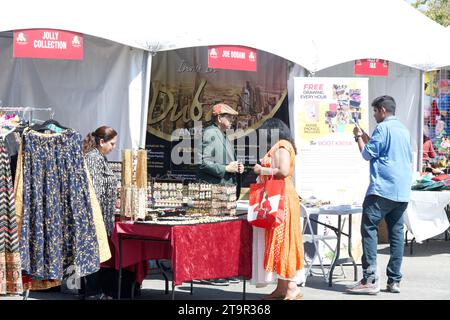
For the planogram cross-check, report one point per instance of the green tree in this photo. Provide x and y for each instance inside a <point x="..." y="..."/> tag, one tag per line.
<point x="437" y="10"/>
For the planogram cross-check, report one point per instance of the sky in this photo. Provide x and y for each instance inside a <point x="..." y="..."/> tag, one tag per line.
<point x="421" y="7"/>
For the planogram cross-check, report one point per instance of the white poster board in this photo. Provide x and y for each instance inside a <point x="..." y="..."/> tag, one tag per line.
<point x="329" y="165"/>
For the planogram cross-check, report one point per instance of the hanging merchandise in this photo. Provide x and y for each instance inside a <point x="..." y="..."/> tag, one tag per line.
<point x="8" y="123"/>
<point x="49" y="126"/>
<point x="13" y="120"/>
<point x="134" y="184"/>
<point x="10" y="263"/>
<point x="436" y="114"/>
<point x="55" y="207"/>
<point x="22" y="116"/>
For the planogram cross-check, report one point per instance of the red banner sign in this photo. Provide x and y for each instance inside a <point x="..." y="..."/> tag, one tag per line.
<point x="232" y="57"/>
<point x="48" y="44"/>
<point x="372" y="67"/>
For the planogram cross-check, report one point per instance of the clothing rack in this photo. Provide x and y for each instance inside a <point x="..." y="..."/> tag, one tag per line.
<point x="28" y="110"/>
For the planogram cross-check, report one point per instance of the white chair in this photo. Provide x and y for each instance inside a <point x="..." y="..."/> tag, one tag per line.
<point x="315" y="239"/>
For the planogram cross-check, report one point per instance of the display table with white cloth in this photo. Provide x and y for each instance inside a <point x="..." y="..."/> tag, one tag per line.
<point x="425" y="216"/>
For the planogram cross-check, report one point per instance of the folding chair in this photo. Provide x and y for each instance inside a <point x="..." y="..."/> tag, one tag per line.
<point x="315" y="239"/>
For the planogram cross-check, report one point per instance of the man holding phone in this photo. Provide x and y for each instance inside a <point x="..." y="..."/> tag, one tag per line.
<point x="390" y="154"/>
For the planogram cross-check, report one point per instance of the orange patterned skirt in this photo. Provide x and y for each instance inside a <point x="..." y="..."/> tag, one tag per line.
<point x="284" y="245"/>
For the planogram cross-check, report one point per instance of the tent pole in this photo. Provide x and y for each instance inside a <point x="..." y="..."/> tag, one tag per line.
<point x="145" y="96"/>
<point x="421" y="120"/>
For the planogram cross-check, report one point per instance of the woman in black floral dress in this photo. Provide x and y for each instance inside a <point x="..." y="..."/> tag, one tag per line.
<point x="96" y="146"/>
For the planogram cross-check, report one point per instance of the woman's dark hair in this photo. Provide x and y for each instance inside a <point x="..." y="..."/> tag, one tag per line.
<point x="92" y="139"/>
<point x="277" y="130"/>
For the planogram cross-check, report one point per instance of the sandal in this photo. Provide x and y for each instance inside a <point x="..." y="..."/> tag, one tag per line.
<point x="299" y="296"/>
<point x="273" y="297"/>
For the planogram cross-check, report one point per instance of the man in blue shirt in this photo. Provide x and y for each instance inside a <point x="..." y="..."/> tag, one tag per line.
<point x="390" y="154"/>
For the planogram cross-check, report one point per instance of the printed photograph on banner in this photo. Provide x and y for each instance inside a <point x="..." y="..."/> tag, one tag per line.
<point x="183" y="91"/>
<point x="325" y="112"/>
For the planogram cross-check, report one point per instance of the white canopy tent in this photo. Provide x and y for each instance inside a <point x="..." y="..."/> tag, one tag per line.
<point x="314" y="34"/>
<point x="103" y="89"/>
<point x="111" y="85"/>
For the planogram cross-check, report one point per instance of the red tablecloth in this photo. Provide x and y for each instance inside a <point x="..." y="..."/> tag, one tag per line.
<point x="201" y="251"/>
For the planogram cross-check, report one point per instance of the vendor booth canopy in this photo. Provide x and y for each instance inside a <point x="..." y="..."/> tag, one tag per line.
<point x="314" y="34"/>
<point x="111" y="85"/>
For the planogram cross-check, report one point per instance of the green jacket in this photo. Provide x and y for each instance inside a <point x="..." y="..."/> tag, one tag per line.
<point x="217" y="151"/>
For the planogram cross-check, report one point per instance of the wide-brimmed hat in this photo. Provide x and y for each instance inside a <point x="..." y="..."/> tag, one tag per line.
<point x="222" y="108"/>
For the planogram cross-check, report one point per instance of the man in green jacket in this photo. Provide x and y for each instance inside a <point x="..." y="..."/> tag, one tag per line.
<point x="218" y="161"/>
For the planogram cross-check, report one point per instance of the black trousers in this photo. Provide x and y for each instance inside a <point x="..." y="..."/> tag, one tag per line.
<point x="92" y="284"/>
<point x="105" y="281"/>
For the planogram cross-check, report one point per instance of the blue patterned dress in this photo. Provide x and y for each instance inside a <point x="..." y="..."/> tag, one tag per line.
<point x="57" y="233"/>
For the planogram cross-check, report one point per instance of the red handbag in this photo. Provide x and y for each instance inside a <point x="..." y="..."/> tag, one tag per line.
<point x="266" y="204"/>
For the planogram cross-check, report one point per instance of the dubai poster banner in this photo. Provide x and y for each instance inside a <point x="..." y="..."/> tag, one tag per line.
<point x="329" y="166"/>
<point x="183" y="91"/>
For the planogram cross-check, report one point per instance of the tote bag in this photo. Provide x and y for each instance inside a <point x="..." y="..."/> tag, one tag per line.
<point x="266" y="204"/>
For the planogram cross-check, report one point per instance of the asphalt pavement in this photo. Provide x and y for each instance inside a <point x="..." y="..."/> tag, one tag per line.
<point x="426" y="275"/>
